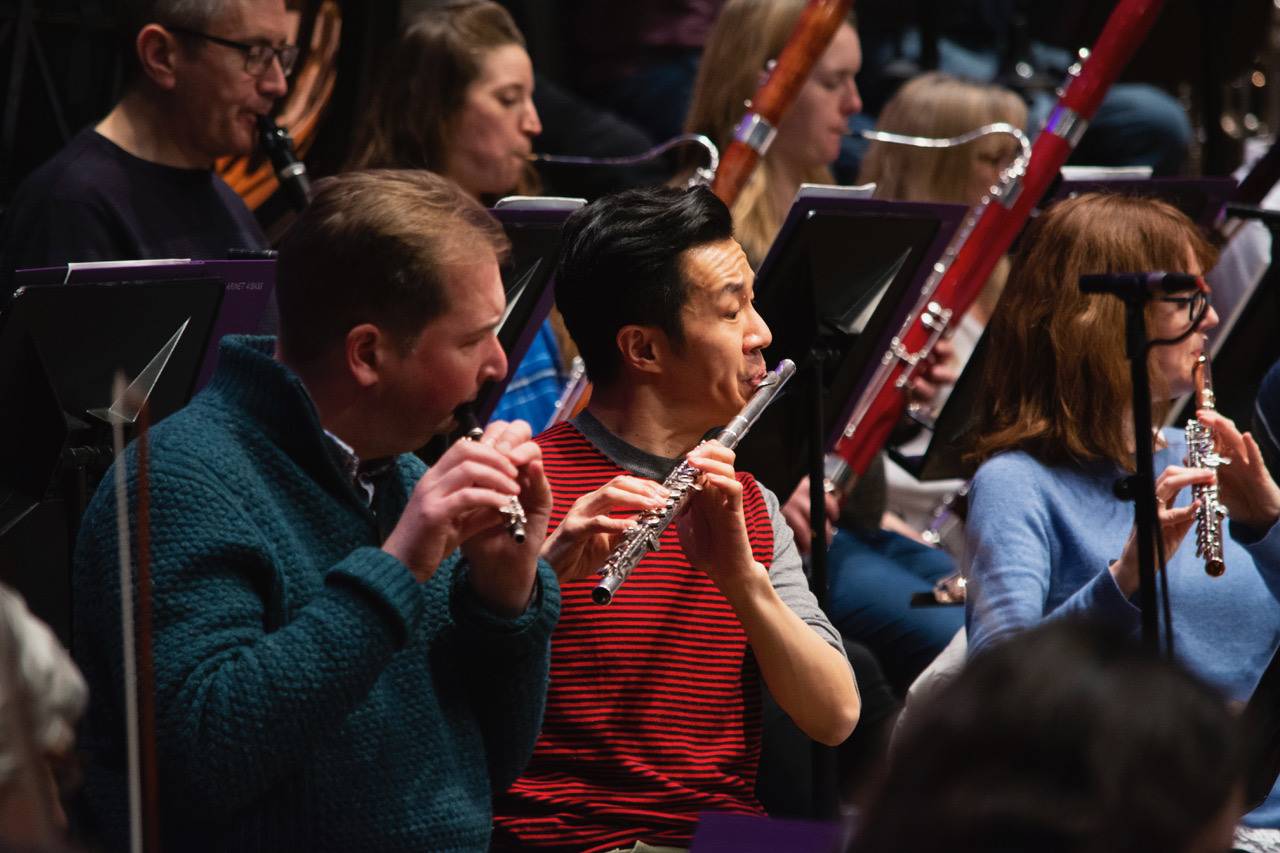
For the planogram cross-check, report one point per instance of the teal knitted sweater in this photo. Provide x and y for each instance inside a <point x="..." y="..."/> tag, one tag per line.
<point x="310" y="694"/>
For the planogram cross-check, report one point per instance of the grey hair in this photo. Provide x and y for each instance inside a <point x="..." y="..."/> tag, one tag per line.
<point x="188" y="14"/>
<point x="192" y="14"/>
<point x="41" y="676"/>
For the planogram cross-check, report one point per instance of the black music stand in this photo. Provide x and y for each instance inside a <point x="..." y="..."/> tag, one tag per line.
<point x="248" y="285"/>
<point x="1245" y="343"/>
<point x="839" y="280"/>
<point x="533" y="224"/>
<point x="944" y="458"/>
<point x="60" y="346"/>
<point x="1202" y="199"/>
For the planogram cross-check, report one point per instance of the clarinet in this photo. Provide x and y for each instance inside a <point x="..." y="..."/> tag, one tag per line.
<point x="290" y="171"/>
<point x="1201" y="454"/>
<point x="986" y="235"/>
<point x="641" y="538"/>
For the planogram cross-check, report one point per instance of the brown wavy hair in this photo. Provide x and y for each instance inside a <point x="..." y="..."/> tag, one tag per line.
<point x="423" y="84"/>
<point x="1056" y="379"/>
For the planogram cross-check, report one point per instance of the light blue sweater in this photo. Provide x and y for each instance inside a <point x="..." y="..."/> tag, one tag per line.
<point x="1040" y="539"/>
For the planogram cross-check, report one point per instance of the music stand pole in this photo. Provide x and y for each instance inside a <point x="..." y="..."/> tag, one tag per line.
<point x="818" y="570"/>
<point x="825" y="784"/>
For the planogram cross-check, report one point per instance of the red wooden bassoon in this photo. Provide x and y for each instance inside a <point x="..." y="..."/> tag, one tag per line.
<point x="985" y="236"/>
<point x="818" y="22"/>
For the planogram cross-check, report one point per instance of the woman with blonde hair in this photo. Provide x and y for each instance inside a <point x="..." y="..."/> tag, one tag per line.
<point x="1047" y="536"/>
<point x="746" y="37"/>
<point x="940" y="106"/>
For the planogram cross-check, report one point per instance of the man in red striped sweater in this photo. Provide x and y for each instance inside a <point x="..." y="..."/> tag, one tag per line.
<point x="653" y="714"/>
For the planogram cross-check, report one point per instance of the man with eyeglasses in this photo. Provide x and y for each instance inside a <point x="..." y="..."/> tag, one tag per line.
<point x="140" y="183"/>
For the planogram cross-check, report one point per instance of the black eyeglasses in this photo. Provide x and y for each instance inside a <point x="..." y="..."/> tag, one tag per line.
<point x="1197" y="304"/>
<point x="257" y="57"/>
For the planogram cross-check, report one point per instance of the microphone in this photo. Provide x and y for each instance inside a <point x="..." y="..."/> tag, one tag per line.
<point x="290" y="171"/>
<point x="1123" y="488"/>
<point x="1140" y="284"/>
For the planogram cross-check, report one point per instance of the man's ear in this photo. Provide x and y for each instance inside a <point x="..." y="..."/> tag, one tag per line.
<point x="157" y="49"/>
<point x="642" y="347"/>
<point x="366" y="354"/>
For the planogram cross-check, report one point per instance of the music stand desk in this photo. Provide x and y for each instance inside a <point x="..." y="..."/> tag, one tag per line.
<point x="247" y="288"/>
<point x="533" y="225"/>
<point x="840" y="279"/>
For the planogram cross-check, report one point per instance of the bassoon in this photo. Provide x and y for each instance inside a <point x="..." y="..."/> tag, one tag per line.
<point x="985" y="236"/>
<point x="813" y="31"/>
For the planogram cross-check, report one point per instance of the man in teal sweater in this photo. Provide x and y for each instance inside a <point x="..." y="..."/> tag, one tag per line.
<point x="350" y="653"/>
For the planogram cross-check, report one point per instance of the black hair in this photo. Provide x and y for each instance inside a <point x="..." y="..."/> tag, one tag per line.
<point x="621" y="264"/>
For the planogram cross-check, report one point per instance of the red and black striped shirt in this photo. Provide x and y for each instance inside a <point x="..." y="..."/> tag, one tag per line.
<point x="653" y="713"/>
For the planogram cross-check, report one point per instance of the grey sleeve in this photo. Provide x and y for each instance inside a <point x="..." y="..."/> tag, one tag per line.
<point x="788" y="578"/>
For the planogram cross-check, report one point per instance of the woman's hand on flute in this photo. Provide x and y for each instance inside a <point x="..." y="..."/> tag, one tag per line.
<point x="1174" y="522"/>
<point x="1245" y="487"/>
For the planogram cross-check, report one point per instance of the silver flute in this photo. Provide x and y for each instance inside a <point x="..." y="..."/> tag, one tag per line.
<point x="642" y="537"/>
<point x="1202" y="454"/>
<point x="513" y="513"/>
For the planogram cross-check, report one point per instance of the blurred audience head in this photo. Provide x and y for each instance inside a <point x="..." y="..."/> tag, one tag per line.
<point x="42" y="696"/>
<point x="1071" y="738"/>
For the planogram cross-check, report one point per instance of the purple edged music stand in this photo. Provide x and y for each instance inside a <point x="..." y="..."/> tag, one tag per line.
<point x="841" y="277"/>
<point x="247" y="287"/>
<point x="533" y="225"/>
<point x="739" y="833"/>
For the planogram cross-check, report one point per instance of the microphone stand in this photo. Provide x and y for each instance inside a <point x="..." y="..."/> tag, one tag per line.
<point x="1141" y="485"/>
